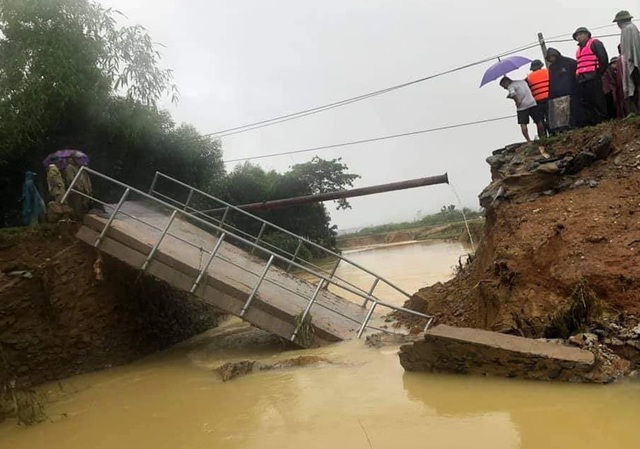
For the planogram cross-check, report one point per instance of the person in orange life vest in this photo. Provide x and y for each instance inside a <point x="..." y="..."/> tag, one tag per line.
<point x="526" y="105"/>
<point x="593" y="61"/>
<point x="538" y="81"/>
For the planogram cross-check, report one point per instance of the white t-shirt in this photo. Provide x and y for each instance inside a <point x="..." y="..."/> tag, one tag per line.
<point x="521" y="93"/>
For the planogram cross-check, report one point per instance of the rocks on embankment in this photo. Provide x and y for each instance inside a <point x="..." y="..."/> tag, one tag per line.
<point x="529" y="171"/>
<point x="447" y="349"/>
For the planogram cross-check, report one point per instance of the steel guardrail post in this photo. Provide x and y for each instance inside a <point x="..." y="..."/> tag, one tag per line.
<point x="224" y="216"/>
<point x="295" y="255"/>
<point x="206" y="265"/>
<point x="367" y="318"/>
<point x="111" y="217"/>
<point x="157" y="245"/>
<point x="373" y="287"/>
<point x="153" y="183"/>
<point x="426" y="326"/>
<point x="255" y="289"/>
<point x="260" y="234"/>
<point x="333" y="271"/>
<point x="186" y="203"/>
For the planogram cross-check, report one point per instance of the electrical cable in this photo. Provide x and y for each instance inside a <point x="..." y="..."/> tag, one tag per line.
<point x="300" y="114"/>
<point x="375" y="139"/>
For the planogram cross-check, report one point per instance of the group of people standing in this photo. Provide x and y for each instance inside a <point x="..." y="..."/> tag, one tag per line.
<point x="60" y="174"/>
<point x="61" y="171"/>
<point x="584" y="91"/>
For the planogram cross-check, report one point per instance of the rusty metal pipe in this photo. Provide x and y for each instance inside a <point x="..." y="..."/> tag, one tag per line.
<point x="381" y="188"/>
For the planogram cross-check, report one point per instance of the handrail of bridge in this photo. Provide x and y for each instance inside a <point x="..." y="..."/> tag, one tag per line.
<point x="264" y="224"/>
<point x="338" y="280"/>
<point x="213" y="254"/>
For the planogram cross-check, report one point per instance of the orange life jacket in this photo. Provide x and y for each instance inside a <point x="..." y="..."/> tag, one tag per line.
<point x="539" y="84"/>
<point x="586" y="59"/>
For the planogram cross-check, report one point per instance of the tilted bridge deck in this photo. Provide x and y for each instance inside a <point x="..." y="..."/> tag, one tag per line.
<point x="163" y="240"/>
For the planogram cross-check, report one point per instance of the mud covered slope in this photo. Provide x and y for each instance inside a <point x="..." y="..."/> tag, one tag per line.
<point x="560" y="252"/>
<point x="62" y="320"/>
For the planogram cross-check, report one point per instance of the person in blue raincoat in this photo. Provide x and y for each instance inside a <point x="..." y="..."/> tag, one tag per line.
<point x="32" y="202"/>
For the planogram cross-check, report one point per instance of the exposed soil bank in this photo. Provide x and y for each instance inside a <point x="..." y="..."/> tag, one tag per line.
<point x="561" y="243"/>
<point x="64" y="321"/>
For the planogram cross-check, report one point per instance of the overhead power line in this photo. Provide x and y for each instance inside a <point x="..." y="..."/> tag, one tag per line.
<point x="556" y="41"/>
<point x="316" y="110"/>
<point x="375" y="139"/>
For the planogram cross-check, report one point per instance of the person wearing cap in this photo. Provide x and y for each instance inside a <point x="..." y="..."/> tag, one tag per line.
<point x="538" y="81"/>
<point x="630" y="54"/>
<point x="564" y="103"/>
<point x="592" y="61"/>
<point x="526" y="106"/>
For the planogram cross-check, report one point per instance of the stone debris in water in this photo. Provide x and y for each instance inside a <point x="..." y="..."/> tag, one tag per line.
<point x="231" y="370"/>
<point x="384" y="339"/>
<point x="473" y="351"/>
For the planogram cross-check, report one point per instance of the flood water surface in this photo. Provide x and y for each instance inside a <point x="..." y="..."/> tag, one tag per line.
<point x="362" y="399"/>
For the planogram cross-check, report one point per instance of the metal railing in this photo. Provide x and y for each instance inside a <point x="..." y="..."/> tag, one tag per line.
<point x="224" y="234"/>
<point x="264" y="227"/>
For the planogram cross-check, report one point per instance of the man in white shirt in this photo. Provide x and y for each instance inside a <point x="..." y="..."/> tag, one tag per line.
<point x="526" y="106"/>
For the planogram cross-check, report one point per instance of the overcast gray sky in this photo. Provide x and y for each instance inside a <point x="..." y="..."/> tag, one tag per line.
<point x="240" y="61"/>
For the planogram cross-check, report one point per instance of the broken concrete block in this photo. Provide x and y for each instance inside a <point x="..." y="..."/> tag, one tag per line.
<point x="449" y="349"/>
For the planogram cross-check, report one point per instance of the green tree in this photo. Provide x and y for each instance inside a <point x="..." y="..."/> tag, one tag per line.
<point x="71" y="77"/>
<point x="249" y="183"/>
<point x="61" y="59"/>
<point x="323" y="176"/>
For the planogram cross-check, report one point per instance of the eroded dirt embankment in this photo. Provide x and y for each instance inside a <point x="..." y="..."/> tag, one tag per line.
<point x="61" y="320"/>
<point x="561" y="244"/>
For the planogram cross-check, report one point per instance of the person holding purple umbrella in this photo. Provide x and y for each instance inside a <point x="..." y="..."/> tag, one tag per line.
<point x="526" y="106"/>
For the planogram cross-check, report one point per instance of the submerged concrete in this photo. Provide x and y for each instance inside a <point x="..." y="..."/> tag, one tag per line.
<point x="449" y="349"/>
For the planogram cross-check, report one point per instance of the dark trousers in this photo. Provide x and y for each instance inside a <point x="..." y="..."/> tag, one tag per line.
<point x="543" y="106"/>
<point x="594" y="103"/>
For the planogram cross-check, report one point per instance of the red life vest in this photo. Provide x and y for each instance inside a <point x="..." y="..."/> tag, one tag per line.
<point x="586" y="59"/>
<point x="539" y="84"/>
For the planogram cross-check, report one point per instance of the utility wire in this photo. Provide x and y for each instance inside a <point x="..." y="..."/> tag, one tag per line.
<point x="300" y="114"/>
<point x="375" y="139"/>
<point x="556" y="41"/>
<point x="591" y="29"/>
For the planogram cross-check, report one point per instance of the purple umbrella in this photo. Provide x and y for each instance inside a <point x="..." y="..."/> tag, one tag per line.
<point x="61" y="158"/>
<point x="502" y="67"/>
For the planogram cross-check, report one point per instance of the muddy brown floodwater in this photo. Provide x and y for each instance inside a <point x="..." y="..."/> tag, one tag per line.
<point x="364" y="400"/>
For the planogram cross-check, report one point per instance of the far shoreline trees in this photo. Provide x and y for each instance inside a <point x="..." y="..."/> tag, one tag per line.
<point x="447" y="214"/>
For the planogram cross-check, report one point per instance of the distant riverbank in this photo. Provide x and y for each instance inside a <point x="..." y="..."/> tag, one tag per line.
<point x="450" y="231"/>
